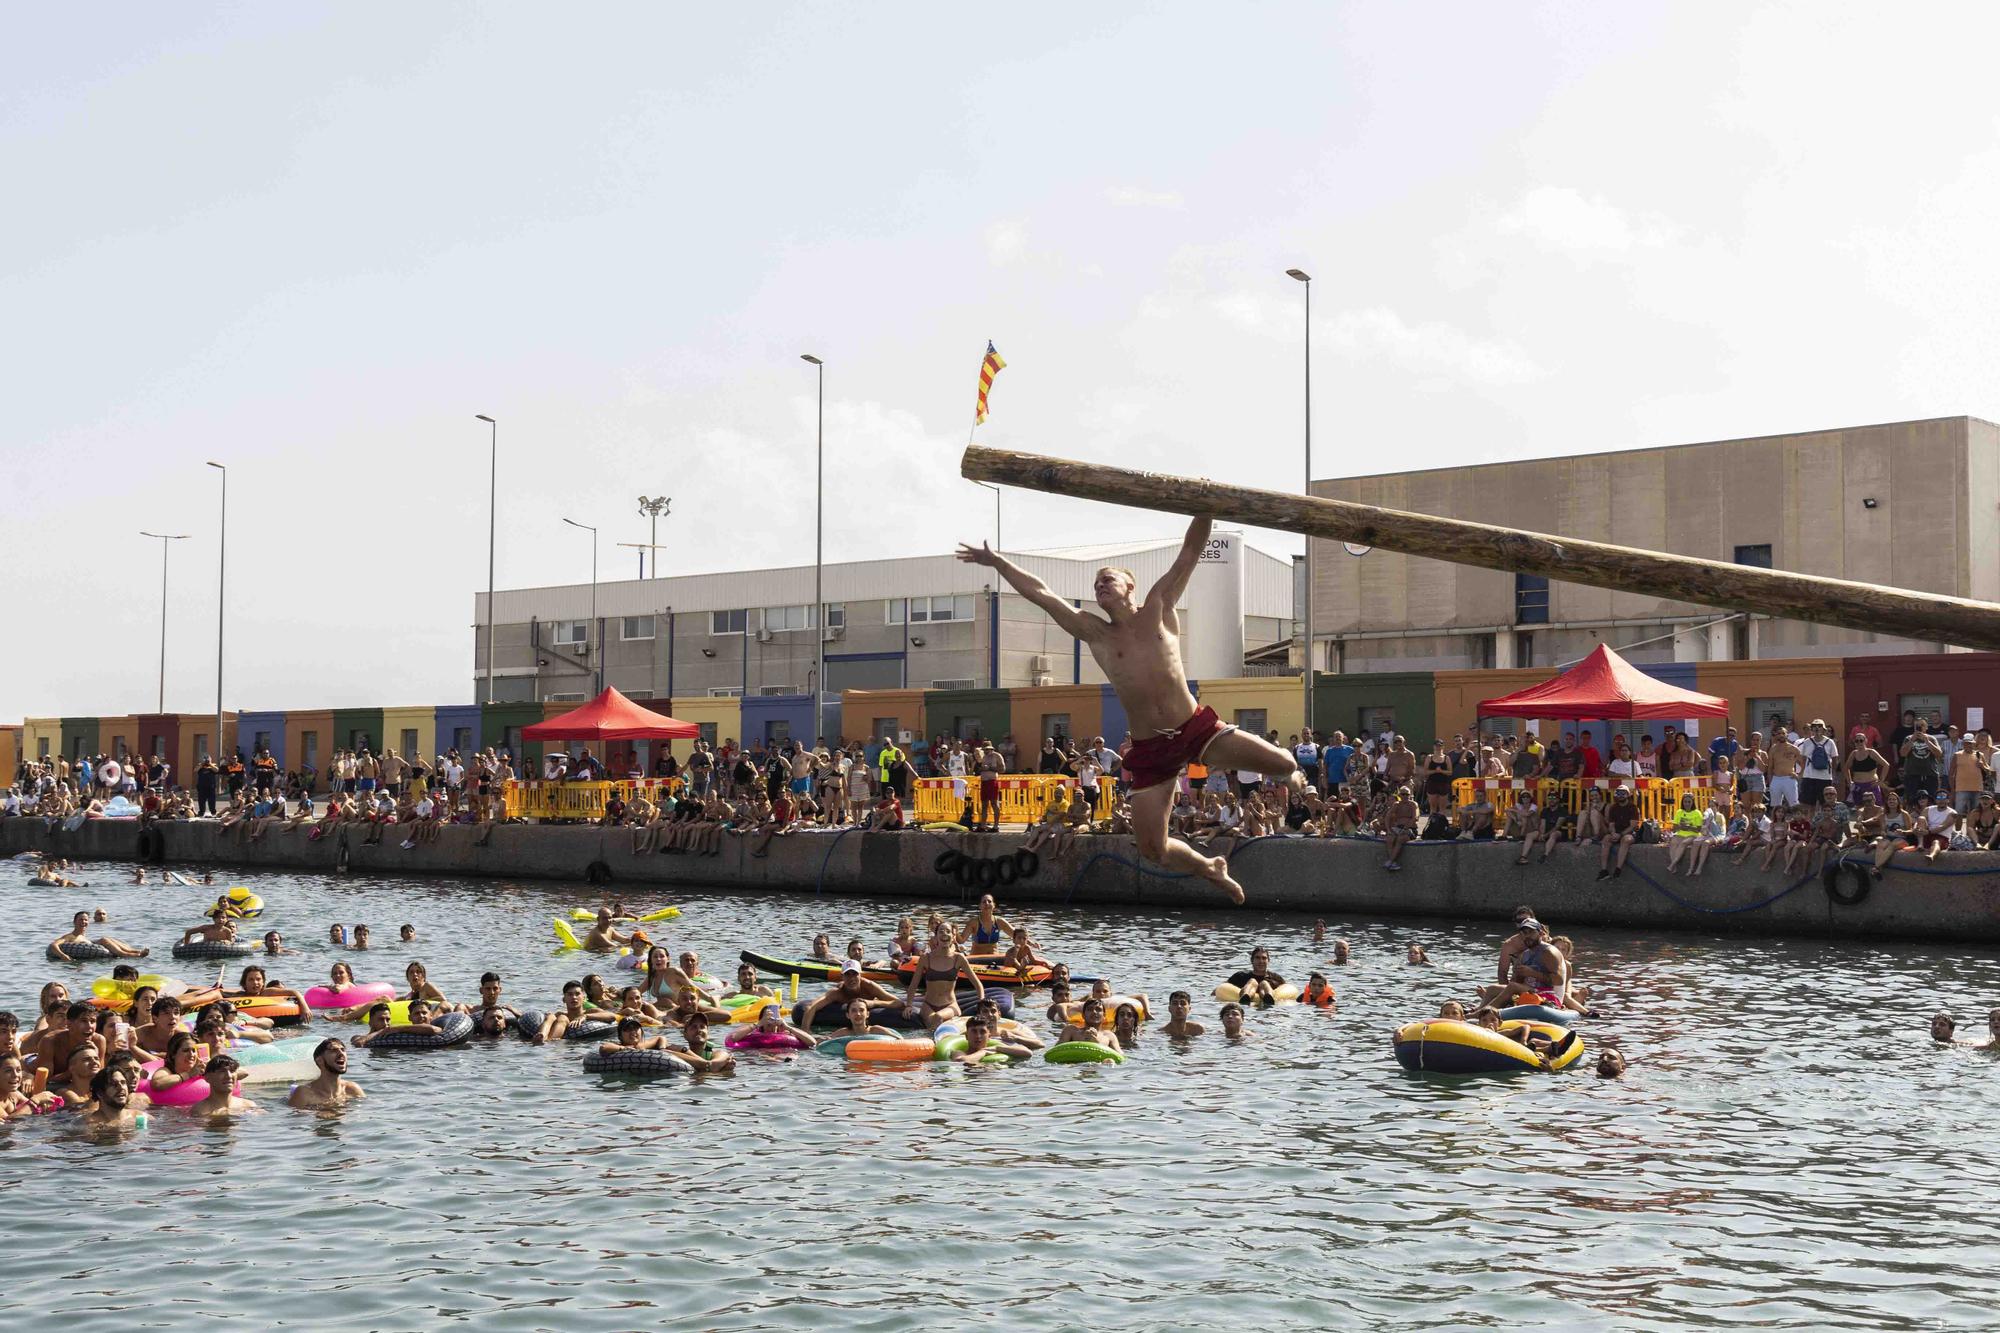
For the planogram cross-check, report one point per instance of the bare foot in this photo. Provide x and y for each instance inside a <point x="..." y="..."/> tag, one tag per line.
<point x="1218" y="875"/>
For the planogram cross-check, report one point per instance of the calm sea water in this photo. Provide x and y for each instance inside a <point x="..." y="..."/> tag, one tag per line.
<point x="1788" y="1150"/>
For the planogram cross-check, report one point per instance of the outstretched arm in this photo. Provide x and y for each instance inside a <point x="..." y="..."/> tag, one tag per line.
<point x="1166" y="594"/>
<point x="1072" y="621"/>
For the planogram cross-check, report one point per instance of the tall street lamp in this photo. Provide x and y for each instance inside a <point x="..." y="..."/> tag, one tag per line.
<point x="1300" y="275"/>
<point x="221" y="573"/>
<point x="163" y="538"/>
<point x="492" y="531"/>
<point x="653" y="508"/>
<point x="819" y="516"/>
<point x="597" y="652"/>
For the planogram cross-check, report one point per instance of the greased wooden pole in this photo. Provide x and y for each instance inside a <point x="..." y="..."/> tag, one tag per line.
<point x="1859" y="606"/>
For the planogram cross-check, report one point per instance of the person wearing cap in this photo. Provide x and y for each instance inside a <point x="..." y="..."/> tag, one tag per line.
<point x="852" y="986"/>
<point x="1622" y="826"/>
<point x="699" y="1054"/>
<point x="1527" y="932"/>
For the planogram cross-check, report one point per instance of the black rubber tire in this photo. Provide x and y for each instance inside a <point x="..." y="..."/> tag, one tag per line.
<point x="597" y="873"/>
<point x="1862" y="882"/>
<point x="152" y="845"/>
<point x="947" y="861"/>
<point x="966" y="872"/>
<point x="1005" y="872"/>
<point x="1026" y="863"/>
<point x="985" y="873"/>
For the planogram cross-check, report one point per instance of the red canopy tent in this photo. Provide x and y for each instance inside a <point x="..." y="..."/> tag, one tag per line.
<point x="1603" y="685"/>
<point x="611" y="717"/>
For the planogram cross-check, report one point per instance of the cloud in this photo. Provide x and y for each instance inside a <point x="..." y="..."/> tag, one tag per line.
<point x="1436" y="347"/>
<point x="1243" y="309"/>
<point x="1006" y="242"/>
<point x="1560" y="218"/>
<point x="1131" y="196"/>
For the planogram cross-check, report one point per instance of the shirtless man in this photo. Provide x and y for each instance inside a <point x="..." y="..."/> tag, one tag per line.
<point x="604" y="937"/>
<point x="699" y="1054"/>
<point x="1232" y="1023"/>
<point x="328" y="1088"/>
<point x="111" y="1095"/>
<point x="1178" y="1026"/>
<point x="981" y="1042"/>
<point x="79" y="933"/>
<point x="1786" y="760"/>
<point x="1137" y="646"/>
<point x="989" y="765"/>
<point x="851" y="989"/>
<point x="222" y="1101"/>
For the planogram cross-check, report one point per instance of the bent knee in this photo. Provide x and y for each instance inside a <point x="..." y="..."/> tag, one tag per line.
<point x="1152" y="844"/>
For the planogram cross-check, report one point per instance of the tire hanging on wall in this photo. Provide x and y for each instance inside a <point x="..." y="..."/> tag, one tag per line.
<point x="597" y="873"/>
<point x="1005" y="870"/>
<point x="1860" y="881"/>
<point x="1026" y="863"/>
<point x="947" y="861"/>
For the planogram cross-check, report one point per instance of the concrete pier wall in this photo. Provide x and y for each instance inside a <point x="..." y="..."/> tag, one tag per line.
<point x="1958" y="899"/>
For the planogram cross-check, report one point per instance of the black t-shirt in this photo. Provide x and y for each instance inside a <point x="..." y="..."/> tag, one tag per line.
<point x="1565" y="764"/>
<point x="1238" y="978"/>
<point x="744" y="771"/>
<point x="1623" y="815"/>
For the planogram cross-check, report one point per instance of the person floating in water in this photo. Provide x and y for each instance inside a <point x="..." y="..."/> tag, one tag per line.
<point x="1137" y="644"/>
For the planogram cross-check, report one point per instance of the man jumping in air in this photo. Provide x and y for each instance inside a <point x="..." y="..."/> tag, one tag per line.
<point x="1138" y="647"/>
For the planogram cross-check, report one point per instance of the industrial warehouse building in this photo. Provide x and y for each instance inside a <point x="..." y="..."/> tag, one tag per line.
<point x="1907" y="505"/>
<point x="921" y="623"/>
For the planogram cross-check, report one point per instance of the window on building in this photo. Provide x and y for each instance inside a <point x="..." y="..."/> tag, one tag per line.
<point x="728" y="622"/>
<point x="935" y="609"/>
<point x="1761" y="711"/>
<point x="836" y="615"/>
<point x="955" y="683"/>
<point x="892" y="612"/>
<point x="1251" y="720"/>
<point x="461" y="739"/>
<point x="635" y="627"/>
<point x="1531" y="599"/>
<point x="707" y="731"/>
<point x="572" y="631"/>
<point x="510" y="740"/>
<point x="159" y="748"/>
<point x="409" y="748"/>
<point x="780" y="618"/>
<point x="41" y="747"/>
<point x="309" y="742"/>
<point x="1375" y="721"/>
<point x="260" y="741"/>
<point x="1933" y="708"/>
<point x="725" y="692"/>
<point x="1524" y="650"/>
<point x="967" y="728"/>
<point x="1484" y="651"/>
<point x="638" y="694"/>
<point x="768" y="690"/>
<point x="1055" y="726"/>
<point x="564" y="698"/>
<point x="118" y="748"/>
<point x="884" y="726"/>
<point x="200" y="746"/>
<point x="1757" y="557"/>
<point x="777" y="731"/>
<point x="1497" y="727"/>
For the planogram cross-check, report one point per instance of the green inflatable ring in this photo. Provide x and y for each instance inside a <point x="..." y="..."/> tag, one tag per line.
<point x="1083" y="1053"/>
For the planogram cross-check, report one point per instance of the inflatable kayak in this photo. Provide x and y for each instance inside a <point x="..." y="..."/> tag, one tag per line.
<point x="893" y="974"/>
<point x="283" y="1010"/>
<point x="1452" y="1046"/>
<point x="892" y="1015"/>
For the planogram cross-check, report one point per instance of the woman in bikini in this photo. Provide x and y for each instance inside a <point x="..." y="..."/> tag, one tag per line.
<point x="988" y="931"/>
<point x="933" y="990"/>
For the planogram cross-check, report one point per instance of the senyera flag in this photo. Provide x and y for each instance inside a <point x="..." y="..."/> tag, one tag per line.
<point x="988" y="368"/>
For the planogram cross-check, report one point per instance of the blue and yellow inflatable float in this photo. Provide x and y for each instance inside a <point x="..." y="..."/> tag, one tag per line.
<point x="1453" y="1046"/>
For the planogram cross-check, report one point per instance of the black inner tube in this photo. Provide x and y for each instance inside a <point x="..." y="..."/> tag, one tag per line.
<point x="597" y="873"/>
<point x="1005" y="870"/>
<point x="1026" y="863"/>
<point x="947" y="861"/>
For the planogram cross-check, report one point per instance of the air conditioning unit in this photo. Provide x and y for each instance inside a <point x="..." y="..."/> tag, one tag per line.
<point x="1040" y="666"/>
<point x="1044" y="678"/>
<point x="580" y="649"/>
<point x="763" y="636"/>
<point x="832" y="633"/>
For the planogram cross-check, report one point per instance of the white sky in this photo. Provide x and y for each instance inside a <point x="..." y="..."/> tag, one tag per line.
<point x="313" y="241"/>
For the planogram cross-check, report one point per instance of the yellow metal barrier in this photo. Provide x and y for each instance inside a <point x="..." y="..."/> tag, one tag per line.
<point x="577" y="801"/>
<point x="1657" y="798"/>
<point x="1023" y="797"/>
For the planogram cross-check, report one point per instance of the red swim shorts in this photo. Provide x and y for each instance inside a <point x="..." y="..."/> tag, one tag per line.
<point x="1161" y="758"/>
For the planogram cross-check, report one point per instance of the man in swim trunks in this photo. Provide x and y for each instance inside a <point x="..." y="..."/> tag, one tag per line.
<point x="328" y="1088"/>
<point x="79" y="933"/>
<point x="1137" y="646"/>
<point x="989" y="766"/>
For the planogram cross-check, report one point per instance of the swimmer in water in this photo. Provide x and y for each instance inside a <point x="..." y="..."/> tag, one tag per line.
<point x="408" y="934"/>
<point x="360" y="937"/>
<point x="1178" y="1025"/>
<point x="1232" y="1023"/>
<point x="1610" y="1062"/>
<point x="274" y="944"/>
<point x="1125" y="1026"/>
<point x="15" y="1098"/>
<point x="1258" y="985"/>
<point x="632" y="1037"/>
<point x="1319" y="931"/>
<point x="699" y="1054"/>
<point x="859" y="1023"/>
<point x="822" y="950"/>
<point x="221" y="929"/>
<point x="421" y="989"/>
<point x="1342" y="951"/>
<point x="253" y="984"/>
<point x="328" y="1088"/>
<point x="1417" y="957"/>
<point x="222" y="1101"/>
<point x="420" y="1024"/>
<point x="1093" y="1028"/>
<point x="1023" y="958"/>
<point x="986" y="929"/>
<point x="1944" y="1029"/>
<point x="111" y="1104"/>
<point x="933" y="990"/>
<point x="1318" y="993"/>
<point x="852" y="986"/>
<point x="604" y="937"/>
<point x="79" y="933"/>
<point x="489" y="1015"/>
<point x="183" y="1062"/>
<point x="980" y="1042"/>
<point x="747" y="983"/>
<point x="1013" y="1033"/>
<point x="336" y="935"/>
<point x="1452" y="1010"/>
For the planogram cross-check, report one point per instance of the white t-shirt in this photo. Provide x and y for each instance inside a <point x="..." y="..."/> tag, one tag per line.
<point x="1810" y="748"/>
<point x="1623" y="768"/>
